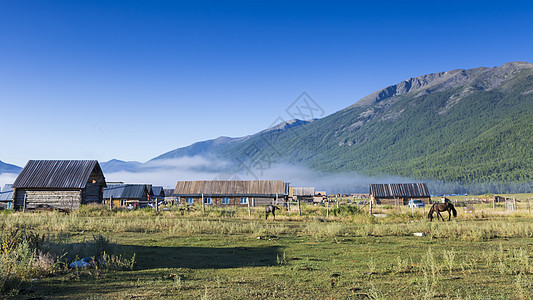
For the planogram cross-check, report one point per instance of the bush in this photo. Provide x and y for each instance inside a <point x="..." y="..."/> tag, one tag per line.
<point x="346" y="210"/>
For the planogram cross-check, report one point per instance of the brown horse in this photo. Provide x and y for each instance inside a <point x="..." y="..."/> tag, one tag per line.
<point x="440" y="207"/>
<point x="271" y="209"/>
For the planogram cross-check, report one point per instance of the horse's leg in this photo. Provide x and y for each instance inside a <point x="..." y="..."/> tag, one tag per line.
<point x="439" y="215"/>
<point x="274" y="213"/>
<point x="449" y="214"/>
<point x="266" y="215"/>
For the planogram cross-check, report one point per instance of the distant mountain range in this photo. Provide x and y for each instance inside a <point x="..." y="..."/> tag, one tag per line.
<point x="467" y="127"/>
<point x="463" y="126"/>
<point x="9" y="168"/>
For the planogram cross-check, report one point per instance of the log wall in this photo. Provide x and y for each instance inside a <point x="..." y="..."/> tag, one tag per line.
<point x="64" y="199"/>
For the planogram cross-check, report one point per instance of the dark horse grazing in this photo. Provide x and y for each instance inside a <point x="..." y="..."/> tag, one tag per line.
<point x="440" y="207"/>
<point x="271" y="209"/>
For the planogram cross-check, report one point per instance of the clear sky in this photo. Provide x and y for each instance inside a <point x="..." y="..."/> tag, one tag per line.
<point x="134" y="79"/>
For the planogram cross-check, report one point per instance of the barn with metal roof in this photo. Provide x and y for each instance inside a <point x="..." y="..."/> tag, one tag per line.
<point x="232" y="192"/>
<point x="127" y="194"/>
<point x="399" y="193"/>
<point x="62" y="184"/>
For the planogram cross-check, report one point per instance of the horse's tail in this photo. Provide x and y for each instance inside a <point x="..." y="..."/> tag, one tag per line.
<point x="454" y="211"/>
<point x="430" y="214"/>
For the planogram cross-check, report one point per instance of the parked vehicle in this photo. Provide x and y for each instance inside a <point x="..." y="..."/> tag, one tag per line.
<point x="416" y="203"/>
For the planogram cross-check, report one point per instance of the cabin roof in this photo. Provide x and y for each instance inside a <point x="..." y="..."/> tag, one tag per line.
<point x="230" y="187"/>
<point x="57" y="174"/>
<point x="126" y="191"/>
<point x="158" y="191"/>
<point x="303" y="191"/>
<point x="169" y="192"/>
<point x="6" y="196"/>
<point x="399" y="190"/>
<point x="7" y="187"/>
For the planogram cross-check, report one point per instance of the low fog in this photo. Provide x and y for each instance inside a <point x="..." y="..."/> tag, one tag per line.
<point x="7" y="178"/>
<point x="167" y="172"/>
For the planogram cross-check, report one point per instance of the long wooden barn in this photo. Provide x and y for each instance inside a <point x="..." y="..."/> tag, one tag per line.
<point x="232" y="192"/>
<point x="63" y="184"/>
<point x="399" y="193"/>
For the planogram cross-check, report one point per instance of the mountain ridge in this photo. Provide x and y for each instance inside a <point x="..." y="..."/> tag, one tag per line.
<point x="464" y="126"/>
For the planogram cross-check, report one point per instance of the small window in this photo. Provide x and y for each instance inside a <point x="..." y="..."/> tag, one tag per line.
<point x="190" y="200"/>
<point x="244" y="200"/>
<point x="207" y="200"/>
<point x="225" y="200"/>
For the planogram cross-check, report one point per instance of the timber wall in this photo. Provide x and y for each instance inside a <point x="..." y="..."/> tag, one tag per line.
<point x="63" y="199"/>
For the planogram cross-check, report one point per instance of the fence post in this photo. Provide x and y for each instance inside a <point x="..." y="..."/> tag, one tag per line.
<point x="249" y="211"/>
<point x="299" y="208"/>
<point x="327" y="207"/>
<point x="371" y="206"/>
<point x="24" y="203"/>
<point x="111" y="202"/>
<point x="337" y="200"/>
<point x="203" y="204"/>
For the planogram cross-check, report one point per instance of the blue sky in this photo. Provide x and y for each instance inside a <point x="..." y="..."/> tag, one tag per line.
<point x="134" y="79"/>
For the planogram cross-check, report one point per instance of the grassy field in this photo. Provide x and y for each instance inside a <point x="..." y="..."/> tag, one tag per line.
<point x="223" y="254"/>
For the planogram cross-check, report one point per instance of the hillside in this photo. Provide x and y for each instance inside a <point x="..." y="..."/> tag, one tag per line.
<point x="462" y="126"/>
<point x="9" y="168"/>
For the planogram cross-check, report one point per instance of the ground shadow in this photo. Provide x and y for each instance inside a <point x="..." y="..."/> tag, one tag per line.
<point x="150" y="264"/>
<point x="154" y="257"/>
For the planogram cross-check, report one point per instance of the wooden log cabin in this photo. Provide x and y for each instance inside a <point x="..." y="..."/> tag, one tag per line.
<point x="399" y="193"/>
<point x="123" y="195"/>
<point x="305" y="194"/>
<point x="232" y="192"/>
<point x="61" y="184"/>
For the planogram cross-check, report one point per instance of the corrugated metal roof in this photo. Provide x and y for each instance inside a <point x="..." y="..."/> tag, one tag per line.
<point x="7" y="187"/>
<point x="6" y="196"/>
<point x="399" y="190"/>
<point x="56" y="174"/>
<point x="169" y="192"/>
<point x="126" y="191"/>
<point x="303" y="191"/>
<point x="230" y="187"/>
<point x="158" y="191"/>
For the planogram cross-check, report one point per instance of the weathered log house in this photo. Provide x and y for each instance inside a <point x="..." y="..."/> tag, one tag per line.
<point x="232" y="192"/>
<point x="128" y="195"/>
<point x="62" y="184"/>
<point x="158" y="192"/>
<point x="305" y="194"/>
<point x="6" y="200"/>
<point x="399" y="193"/>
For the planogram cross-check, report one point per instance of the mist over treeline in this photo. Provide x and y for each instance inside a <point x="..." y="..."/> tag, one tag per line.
<point x="168" y="172"/>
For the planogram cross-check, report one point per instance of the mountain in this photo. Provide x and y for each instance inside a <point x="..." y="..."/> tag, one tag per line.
<point x="224" y="144"/>
<point x="9" y="168"/>
<point x="116" y="165"/>
<point x="462" y="126"/>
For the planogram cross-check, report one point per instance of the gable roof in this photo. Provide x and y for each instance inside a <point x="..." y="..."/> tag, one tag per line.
<point x="169" y="192"/>
<point x="230" y="187"/>
<point x="399" y="190"/>
<point x="126" y="191"/>
<point x="6" y="196"/>
<point x="7" y="187"/>
<point x="56" y="174"/>
<point x="158" y="191"/>
<point x="303" y="191"/>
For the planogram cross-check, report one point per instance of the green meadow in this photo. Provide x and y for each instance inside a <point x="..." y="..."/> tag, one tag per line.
<point x="227" y="254"/>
